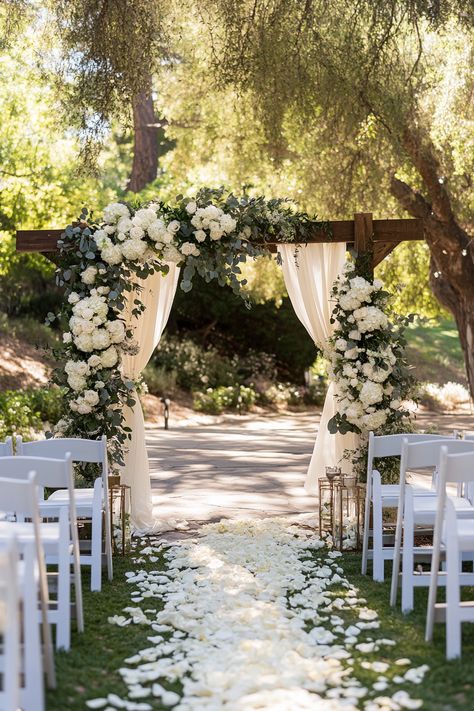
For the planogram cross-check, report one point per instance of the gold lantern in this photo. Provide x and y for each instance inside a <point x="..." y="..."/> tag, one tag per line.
<point x="120" y="499"/>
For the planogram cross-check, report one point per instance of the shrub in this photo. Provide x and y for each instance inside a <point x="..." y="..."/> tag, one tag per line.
<point x="215" y="400"/>
<point x="23" y="412"/>
<point x="445" y="397"/>
<point x="194" y="365"/>
<point x="159" y="380"/>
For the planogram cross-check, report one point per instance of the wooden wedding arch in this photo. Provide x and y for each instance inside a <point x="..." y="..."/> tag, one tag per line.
<point x="372" y="240"/>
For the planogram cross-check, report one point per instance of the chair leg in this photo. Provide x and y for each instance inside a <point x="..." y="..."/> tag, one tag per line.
<point x="365" y="537"/>
<point x="108" y="543"/>
<point x="378" y="560"/>
<point x="453" y="621"/>
<point x="32" y="692"/>
<point x="96" y="550"/>
<point x="63" y="625"/>
<point x="408" y="558"/>
<point x="77" y="580"/>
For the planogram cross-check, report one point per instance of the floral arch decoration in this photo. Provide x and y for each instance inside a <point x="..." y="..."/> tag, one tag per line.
<point x="100" y="263"/>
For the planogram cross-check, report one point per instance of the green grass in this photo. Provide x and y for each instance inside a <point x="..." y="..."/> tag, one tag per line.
<point x="89" y="670"/>
<point x="448" y="686"/>
<point x="434" y="349"/>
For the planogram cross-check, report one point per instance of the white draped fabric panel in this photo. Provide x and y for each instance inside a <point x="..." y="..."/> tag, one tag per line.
<point x="157" y="295"/>
<point x="309" y="275"/>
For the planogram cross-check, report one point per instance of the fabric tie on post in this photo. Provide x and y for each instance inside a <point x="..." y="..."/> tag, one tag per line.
<point x="157" y="294"/>
<point x="309" y="271"/>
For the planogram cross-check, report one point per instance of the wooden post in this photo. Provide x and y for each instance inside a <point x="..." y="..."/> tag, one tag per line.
<point x="364" y="244"/>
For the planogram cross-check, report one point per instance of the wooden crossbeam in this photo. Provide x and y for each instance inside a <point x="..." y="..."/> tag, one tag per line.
<point x="371" y="237"/>
<point x="390" y="231"/>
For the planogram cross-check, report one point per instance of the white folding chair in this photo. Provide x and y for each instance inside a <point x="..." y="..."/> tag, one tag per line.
<point x="91" y="503"/>
<point x="415" y="509"/>
<point x="9" y="625"/>
<point x="6" y="448"/>
<point x="21" y="496"/>
<point x="453" y="533"/>
<point x="380" y="496"/>
<point x="57" y="538"/>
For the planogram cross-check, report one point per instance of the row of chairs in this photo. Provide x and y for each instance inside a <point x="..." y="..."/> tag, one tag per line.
<point x="38" y="531"/>
<point x="444" y="508"/>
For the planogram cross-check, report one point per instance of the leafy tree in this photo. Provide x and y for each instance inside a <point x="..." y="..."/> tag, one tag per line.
<point x="358" y="104"/>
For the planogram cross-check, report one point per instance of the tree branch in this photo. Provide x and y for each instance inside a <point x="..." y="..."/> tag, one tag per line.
<point x="411" y="201"/>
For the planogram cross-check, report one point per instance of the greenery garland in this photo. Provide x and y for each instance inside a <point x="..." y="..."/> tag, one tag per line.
<point x="211" y="234"/>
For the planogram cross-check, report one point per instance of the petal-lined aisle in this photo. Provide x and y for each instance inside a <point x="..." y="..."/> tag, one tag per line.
<point x="256" y="615"/>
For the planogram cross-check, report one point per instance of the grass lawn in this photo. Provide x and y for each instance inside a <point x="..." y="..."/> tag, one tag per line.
<point x="434" y="349"/>
<point x="89" y="670"/>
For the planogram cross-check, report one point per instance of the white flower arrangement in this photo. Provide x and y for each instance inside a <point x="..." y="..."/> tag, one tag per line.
<point x="366" y="357"/>
<point x="210" y="234"/>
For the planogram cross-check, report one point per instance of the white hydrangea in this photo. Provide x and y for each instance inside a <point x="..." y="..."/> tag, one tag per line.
<point x="116" y="330"/>
<point x="370" y="318"/>
<point x="109" y="357"/>
<point x="171" y="254"/>
<point x="144" y="217"/>
<point x="88" y="275"/>
<point x="134" y="249"/>
<point x="112" y="254"/>
<point x="371" y="393"/>
<point x="115" y="211"/>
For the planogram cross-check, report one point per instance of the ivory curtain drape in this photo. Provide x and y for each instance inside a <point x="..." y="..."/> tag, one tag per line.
<point x="309" y="272"/>
<point x="157" y="295"/>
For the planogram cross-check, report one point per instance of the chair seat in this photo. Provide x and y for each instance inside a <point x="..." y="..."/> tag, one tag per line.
<point x="424" y="508"/>
<point x="24" y="532"/>
<point x="464" y="533"/>
<point x="391" y="492"/>
<point x="80" y="495"/>
<point x="84" y="500"/>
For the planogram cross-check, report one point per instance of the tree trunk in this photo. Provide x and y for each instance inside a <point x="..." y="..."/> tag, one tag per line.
<point x="452" y="254"/>
<point x="146" y="144"/>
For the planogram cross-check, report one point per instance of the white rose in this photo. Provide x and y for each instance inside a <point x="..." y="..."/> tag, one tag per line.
<point x="191" y="207"/>
<point x="67" y="337"/>
<point x="200" y="235"/>
<point x="83" y="408"/>
<point x="73" y="298"/>
<point x="88" y="275"/>
<point x="188" y="248"/>
<point x="99" y="385"/>
<point x="174" y="226"/>
<point x="94" y="361"/>
<point x="196" y="221"/>
<point x="167" y="237"/>
<point x="341" y="344"/>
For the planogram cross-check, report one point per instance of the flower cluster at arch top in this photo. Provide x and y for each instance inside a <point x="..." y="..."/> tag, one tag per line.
<point x="100" y="264"/>
<point x="366" y="354"/>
